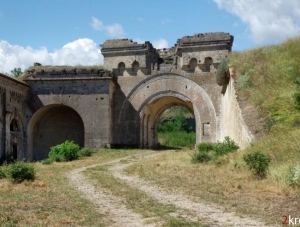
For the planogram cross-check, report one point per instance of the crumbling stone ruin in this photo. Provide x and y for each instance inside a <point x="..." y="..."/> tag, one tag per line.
<point x="118" y="104"/>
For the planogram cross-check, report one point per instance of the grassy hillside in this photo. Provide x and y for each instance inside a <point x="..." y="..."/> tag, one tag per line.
<point x="269" y="78"/>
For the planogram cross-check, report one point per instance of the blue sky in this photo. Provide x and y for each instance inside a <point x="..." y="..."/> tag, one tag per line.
<point x="68" y="32"/>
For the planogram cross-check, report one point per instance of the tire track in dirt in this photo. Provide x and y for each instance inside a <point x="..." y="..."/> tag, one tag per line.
<point x="111" y="206"/>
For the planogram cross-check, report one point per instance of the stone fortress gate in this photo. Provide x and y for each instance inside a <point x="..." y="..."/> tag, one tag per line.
<point x="121" y="104"/>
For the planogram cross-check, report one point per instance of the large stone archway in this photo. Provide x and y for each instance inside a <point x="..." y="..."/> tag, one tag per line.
<point x="52" y="125"/>
<point x="154" y="95"/>
<point x="152" y="111"/>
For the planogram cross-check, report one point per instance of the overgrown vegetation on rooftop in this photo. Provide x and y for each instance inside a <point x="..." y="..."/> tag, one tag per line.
<point x="62" y="67"/>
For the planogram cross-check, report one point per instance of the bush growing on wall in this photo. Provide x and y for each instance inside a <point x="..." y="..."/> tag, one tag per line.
<point x="221" y="76"/>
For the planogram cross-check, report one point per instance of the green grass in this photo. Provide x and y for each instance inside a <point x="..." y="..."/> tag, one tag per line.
<point x="177" y="139"/>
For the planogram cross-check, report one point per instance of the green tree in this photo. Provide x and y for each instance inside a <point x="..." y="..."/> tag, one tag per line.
<point x="16" y="72"/>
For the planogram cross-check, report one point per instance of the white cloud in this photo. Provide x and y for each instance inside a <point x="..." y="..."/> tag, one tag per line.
<point x="270" y="21"/>
<point x="160" y="44"/>
<point x="113" y="30"/>
<point x="79" y="52"/>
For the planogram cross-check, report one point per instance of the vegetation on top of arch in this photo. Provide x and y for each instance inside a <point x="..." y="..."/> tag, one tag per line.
<point x="63" y="67"/>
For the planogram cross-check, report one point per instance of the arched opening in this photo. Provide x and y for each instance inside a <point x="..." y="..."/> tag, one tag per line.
<point x="193" y="64"/>
<point x="135" y="67"/>
<point x="176" y="128"/>
<point x="165" y="117"/>
<point x="208" y="62"/>
<point x="52" y="125"/>
<point x="152" y="96"/>
<point x="14" y="126"/>
<point x="15" y="138"/>
<point x="121" y="68"/>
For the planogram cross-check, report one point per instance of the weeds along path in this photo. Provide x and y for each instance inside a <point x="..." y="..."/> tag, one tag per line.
<point x="212" y="215"/>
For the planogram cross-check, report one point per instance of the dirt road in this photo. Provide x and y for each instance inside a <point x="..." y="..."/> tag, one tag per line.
<point x="117" y="214"/>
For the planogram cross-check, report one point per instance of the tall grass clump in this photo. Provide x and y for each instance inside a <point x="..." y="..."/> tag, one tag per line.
<point x="294" y="175"/>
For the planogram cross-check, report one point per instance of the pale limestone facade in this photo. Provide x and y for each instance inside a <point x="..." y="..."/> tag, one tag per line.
<point x="120" y="105"/>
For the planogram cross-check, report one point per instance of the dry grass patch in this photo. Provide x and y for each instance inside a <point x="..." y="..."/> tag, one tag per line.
<point x="227" y="182"/>
<point x="49" y="200"/>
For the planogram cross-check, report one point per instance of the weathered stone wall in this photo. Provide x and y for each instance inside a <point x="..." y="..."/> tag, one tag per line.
<point x="233" y="124"/>
<point x="13" y="94"/>
<point x="88" y="100"/>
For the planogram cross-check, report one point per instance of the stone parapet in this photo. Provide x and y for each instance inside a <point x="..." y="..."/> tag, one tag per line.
<point x="121" y="47"/>
<point x="207" y="41"/>
<point x="59" y="74"/>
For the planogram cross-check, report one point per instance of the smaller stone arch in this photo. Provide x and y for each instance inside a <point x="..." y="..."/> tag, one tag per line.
<point x="14" y="126"/>
<point x="135" y="67"/>
<point x="121" y="68"/>
<point x="193" y="63"/>
<point x="208" y="62"/>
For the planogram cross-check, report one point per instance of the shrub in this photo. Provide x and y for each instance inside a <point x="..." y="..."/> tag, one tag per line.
<point x="66" y="151"/>
<point x="258" y="163"/>
<point x="269" y="124"/>
<point x="296" y="98"/>
<point x="47" y="161"/>
<point x="177" y="124"/>
<point x="200" y="157"/>
<point x="228" y="145"/>
<point x="86" y="152"/>
<point x="19" y="171"/>
<point x="2" y="174"/>
<point x="244" y="81"/>
<point x="294" y="175"/>
<point x="205" y="146"/>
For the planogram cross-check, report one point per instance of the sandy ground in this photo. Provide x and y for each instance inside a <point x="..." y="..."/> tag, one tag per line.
<point x="117" y="214"/>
